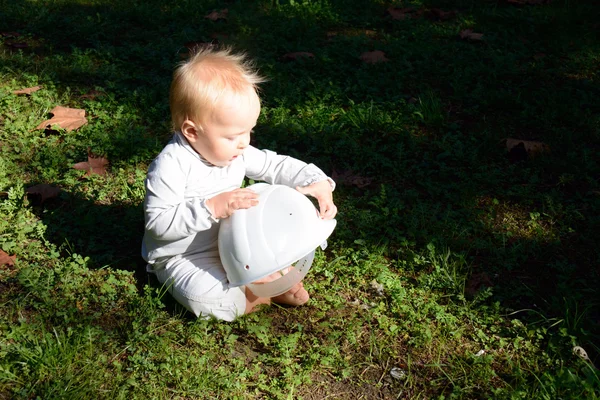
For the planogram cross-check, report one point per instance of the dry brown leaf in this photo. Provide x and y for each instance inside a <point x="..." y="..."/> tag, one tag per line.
<point x="352" y="32"/>
<point x="217" y="15"/>
<point x="66" y="118"/>
<point x="44" y="191"/>
<point x="17" y="45"/>
<point x="402" y="13"/>
<point x="27" y="90"/>
<point x="469" y="34"/>
<point x="528" y="2"/>
<point x="350" y="178"/>
<point x="298" y="55"/>
<point x="92" y="94"/>
<point x="476" y="282"/>
<point x="374" y="57"/>
<point x="532" y="147"/>
<point x="5" y="259"/>
<point x="441" y="15"/>
<point x="94" y="165"/>
<point x="10" y="34"/>
<point x="219" y="36"/>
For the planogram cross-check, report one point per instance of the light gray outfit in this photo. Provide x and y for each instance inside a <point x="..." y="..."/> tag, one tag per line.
<point x="180" y="239"/>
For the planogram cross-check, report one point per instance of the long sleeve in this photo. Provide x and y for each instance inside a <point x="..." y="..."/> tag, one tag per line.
<point x="268" y="166"/>
<point x="169" y="214"/>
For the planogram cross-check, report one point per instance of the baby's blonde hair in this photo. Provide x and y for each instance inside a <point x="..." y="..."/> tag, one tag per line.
<point x="199" y="82"/>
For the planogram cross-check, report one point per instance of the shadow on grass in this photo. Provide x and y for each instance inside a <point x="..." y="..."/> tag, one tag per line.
<point x="110" y="235"/>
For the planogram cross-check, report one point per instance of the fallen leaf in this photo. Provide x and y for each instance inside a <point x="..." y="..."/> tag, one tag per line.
<point x="44" y="191"/>
<point x="10" y="34"/>
<point x="298" y="55"/>
<point x="92" y="94"/>
<point x="476" y="282"/>
<point x="17" y="45"/>
<point x="66" y="118"/>
<point x="219" y="36"/>
<point x="469" y="34"/>
<point x="5" y="259"/>
<point x="539" y="56"/>
<point x="27" y="90"/>
<point x="374" y="57"/>
<point x="350" y="178"/>
<point x="217" y="15"/>
<point x="94" y="165"/>
<point x="441" y="15"/>
<point x="352" y="32"/>
<point x="528" y="2"/>
<point x="532" y="147"/>
<point x="401" y="14"/>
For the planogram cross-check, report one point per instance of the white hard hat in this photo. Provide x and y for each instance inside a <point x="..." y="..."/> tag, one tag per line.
<point x="283" y="228"/>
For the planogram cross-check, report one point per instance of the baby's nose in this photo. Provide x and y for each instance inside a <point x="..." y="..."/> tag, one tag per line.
<point x="244" y="141"/>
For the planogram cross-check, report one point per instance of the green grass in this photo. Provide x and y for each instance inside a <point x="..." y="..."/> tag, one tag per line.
<point x="457" y="270"/>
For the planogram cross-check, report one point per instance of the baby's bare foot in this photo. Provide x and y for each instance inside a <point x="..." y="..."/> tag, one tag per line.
<point x="296" y="296"/>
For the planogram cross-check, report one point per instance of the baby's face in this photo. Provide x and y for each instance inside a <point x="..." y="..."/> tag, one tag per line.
<point x="226" y="133"/>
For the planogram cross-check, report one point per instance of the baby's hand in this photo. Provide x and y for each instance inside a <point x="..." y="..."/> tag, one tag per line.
<point x="323" y="193"/>
<point x="224" y="205"/>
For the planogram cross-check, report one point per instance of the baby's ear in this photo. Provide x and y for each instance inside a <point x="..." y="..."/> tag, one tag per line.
<point x="190" y="130"/>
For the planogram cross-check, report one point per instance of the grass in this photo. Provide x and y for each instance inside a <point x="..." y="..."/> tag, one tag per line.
<point x="458" y="269"/>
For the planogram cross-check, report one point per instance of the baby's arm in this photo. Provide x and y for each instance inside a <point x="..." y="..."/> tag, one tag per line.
<point x="169" y="215"/>
<point x="268" y="166"/>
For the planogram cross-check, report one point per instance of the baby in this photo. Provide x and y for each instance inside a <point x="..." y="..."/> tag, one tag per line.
<point x="195" y="182"/>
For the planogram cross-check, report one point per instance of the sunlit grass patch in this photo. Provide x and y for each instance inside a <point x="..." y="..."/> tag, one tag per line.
<point x="513" y="222"/>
